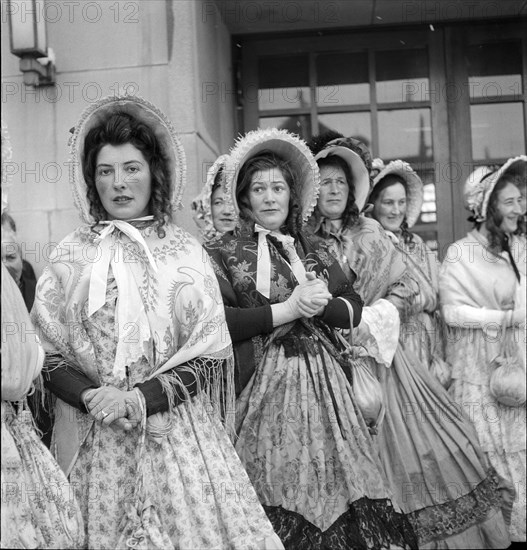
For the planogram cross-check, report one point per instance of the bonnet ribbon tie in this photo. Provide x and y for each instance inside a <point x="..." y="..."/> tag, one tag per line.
<point x="263" y="270"/>
<point x="132" y="325"/>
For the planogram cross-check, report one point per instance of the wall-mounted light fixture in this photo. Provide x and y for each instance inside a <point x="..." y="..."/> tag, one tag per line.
<point x="27" y="26"/>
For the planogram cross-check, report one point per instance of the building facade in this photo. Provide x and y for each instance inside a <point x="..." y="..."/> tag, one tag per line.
<point x="440" y="84"/>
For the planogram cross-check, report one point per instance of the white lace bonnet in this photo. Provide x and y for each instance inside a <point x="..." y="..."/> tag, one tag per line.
<point x="147" y="113"/>
<point x="413" y="184"/>
<point x="341" y="147"/>
<point x="288" y="146"/>
<point x="481" y="182"/>
<point x="201" y="205"/>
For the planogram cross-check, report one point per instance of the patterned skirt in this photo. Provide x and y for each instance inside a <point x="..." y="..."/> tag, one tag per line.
<point x="309" y="455"/>
<point x="433" y="459"/>
<point x="39" y="509"/>
<point x="186" y="489"/>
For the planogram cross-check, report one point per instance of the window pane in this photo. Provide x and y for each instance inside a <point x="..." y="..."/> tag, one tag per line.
<point x="429" y="207"/>
<point x="299" y="125"/>
<point x="357" y="125"/>
<point x="494" y="70"/>
<point x="283" y="82"/>
<point x="402" y="75"/>
<point x="342" y="79"/>
<point x="406" y="134"/>
<point x="497" y="131"/>
<point x="426" y="225"/>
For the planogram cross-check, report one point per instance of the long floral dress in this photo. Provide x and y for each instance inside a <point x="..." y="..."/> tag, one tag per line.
<point x="476" y="288"/>
<point x="301" y="438"/>
<point x="39" y="509"/>
<point x="186" y="487"/>
<point x="429" y="450"/>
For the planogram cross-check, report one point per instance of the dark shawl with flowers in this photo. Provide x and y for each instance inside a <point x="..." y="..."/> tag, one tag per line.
<point x="235" y="260"/>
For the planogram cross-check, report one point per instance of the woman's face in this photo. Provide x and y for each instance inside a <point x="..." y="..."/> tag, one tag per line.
<point x="334" y="191"/>
<point x="222" y="211"/>
<point x="509" y="205"/>
<point x="269" y="198"/>
<point x="390" y="207"/>
<point x="11" y="256"/>
<point x="123" y="181"/>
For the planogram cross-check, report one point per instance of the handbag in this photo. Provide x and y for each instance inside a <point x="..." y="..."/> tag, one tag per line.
<point x="368" y="395"/>
<point x="141" y="528"/>
<point x="366" y="387"/>
<point x="507" y="380"/>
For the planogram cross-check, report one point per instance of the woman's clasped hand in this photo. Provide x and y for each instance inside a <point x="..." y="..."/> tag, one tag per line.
<point x="111" y="406"/>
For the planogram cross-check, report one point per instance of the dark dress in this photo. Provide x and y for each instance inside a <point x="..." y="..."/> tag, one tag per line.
<point x="301" y="437"/>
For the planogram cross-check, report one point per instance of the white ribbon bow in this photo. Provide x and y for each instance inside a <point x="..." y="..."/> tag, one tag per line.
<point x="133" y="329"/>
<point x="263" y="270"/>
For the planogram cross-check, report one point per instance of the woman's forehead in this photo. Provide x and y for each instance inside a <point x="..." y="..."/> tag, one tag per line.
<point x="268" y="175"/>
<point x="119" y="153"/>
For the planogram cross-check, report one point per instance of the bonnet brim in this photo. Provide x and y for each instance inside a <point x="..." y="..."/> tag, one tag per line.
<point x="361" y="177"/>
<point x="516" y="166"/>
<point x="289" y="147"/>
<point x="413" y="185"/>
<point x="147" y="113"/>
<point x="201" y="205"/>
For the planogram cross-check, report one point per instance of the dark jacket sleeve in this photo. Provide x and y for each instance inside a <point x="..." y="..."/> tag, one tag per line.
<point x="155" y="397"/>
<point x="336" y="313"/>
<point x="245" y="323"/>
<point x="68" y="384"/>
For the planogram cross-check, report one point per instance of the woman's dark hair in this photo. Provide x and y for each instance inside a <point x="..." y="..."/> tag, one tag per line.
<point x="496" y="236"/>
<point x="118" y="129"/>
<point x="217" y="181"/>
<point x="350" y="215"/>
<point x="266" y="160"/>
<point x="388" y="181"/>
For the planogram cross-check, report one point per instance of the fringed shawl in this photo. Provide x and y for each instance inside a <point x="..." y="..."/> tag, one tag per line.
<point x="383" y="282"/>
<point x="182" y="303"/>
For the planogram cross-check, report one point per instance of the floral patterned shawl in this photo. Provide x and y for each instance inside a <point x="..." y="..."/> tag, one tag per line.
<point x="170" y="311"/>
<point x="383" y="282"/>
<point x="181" y="301"/>
<point x="235" y="259"/>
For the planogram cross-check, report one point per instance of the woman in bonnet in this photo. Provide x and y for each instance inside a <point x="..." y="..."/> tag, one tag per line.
<point x="306" y="447"/>
<point x="482" y="293"/>
<point x="134" y="329"/>
<point x="212" y="209"/>
<point x="413" y="446"/>
<point x="396" y="199"/>
<point x="365" y="252"/>
<point x="429" y="449"/>
<point x="39" y="509"/>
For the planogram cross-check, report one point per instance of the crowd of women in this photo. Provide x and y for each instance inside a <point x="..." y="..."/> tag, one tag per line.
<point x="306" y="377"/>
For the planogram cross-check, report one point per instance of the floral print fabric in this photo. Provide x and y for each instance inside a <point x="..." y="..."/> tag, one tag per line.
<point x="472" y="278"/>
<point x="39" y="508"/>
<point x="195" y="493"/>
<point x="305" y="445"/>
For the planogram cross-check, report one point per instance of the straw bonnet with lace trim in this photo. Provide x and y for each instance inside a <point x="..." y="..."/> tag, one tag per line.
<point x="412" y="183"/>
<point x="202" y="206"/>
<point x="147" y="113"/>
<point x="289" y="147"/>
<point x="358" y="158"/>
<point x="480" y="184"/>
